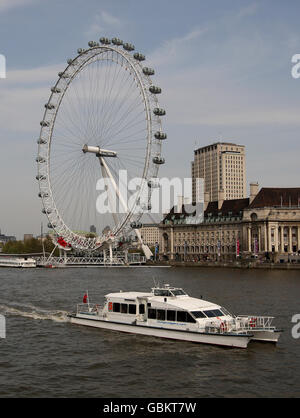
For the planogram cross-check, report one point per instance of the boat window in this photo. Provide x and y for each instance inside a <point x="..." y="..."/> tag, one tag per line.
<point x="142" y="308"/>
<point x="171" y="315"/>
<point x="189" y="318"/>
<point x="161" y="314"/>
<point x="162" y="292"/>
<point x="198" y="314"/>
<point x="152" y="313"/>
<point x="181" y="316"/>
<point x="178" y="292"/>
<point x="213" y="313"/>
<point x="116" y="307"/>
<point x="124" y="308"/>
<point x="132" y="309"/>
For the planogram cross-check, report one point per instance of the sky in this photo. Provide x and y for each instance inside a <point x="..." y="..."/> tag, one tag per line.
<point x="224" y="69"/>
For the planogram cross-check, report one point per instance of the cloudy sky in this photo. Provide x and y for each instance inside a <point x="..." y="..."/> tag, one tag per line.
<point x="224" y="67"/>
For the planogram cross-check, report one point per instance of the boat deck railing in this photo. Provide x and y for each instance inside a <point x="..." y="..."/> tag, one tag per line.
<point x="240" y="325"/>
<point x="249" y="322"/>
<point x="88" y="308"/>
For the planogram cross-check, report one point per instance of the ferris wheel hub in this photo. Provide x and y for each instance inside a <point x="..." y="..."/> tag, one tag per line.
<point x="98" y="151"/>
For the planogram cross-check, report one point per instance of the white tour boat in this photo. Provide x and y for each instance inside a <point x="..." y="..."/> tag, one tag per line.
<point x="168" y="312"/>
<point x="17" y="262"/>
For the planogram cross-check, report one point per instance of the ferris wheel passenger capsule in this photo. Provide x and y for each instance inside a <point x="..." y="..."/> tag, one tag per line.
<point x="44" y="123"/>
<point x="80" y="51"/>
<point x="128" y="47"/>
<point x="40" y="160"/>
<point x="50" y="226"/>
<point x="49" y="106"/>
<point x="158" y="160"/>
<point x="158" y="111"/>
<point x="55" y="90"/>
<point x="117" y="41"/>
<point x="92" y="44"/>
<point x="153" y="184"/>
<point x="160" y="135"/>
<point x="70" y="61"/>
<point x="155" y="89"/>
<point x="148" y="71"/>
<point x="139" y="57"/>
<point x="62" y="74"/>
<point x="104" y="41"/>
<point x="43" y="194"/>
<point x="40" y="177"/>
<point x="46" y="212"/>
<point x="41" y="141"/>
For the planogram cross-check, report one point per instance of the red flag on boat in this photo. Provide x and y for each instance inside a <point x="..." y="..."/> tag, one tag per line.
<point x="85" y="298"/>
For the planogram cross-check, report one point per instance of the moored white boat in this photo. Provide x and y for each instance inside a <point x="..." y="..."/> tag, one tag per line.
<point x="168" y="312"/>
<point x="17" y="262"/>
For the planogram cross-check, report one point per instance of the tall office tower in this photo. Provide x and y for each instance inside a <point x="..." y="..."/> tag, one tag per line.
<point x="222" y="166"/>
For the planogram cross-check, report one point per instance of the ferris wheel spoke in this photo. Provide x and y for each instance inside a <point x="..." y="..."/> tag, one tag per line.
<point x="107" y="108"/>
<point x="113" y="110"/>
<point x="123" y="116"/>
<point x="123" y="94"/>
<point x="141" y="133"/>
<point x="120" y="131"/>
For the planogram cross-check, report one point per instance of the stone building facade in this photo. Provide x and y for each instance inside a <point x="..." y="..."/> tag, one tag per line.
<point x="150" y="234"/>
<point x="267" y="222"/>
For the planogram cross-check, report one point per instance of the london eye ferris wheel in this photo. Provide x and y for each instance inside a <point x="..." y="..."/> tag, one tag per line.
<point x="102" y="119"/>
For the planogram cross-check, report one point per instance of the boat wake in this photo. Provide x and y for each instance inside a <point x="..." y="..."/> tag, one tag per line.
<point x="33" y="312"/>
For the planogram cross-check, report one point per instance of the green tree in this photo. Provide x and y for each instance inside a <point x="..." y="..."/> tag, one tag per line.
<point x="32" y="245"/>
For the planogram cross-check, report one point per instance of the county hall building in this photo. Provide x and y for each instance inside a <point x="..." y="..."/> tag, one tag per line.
<point x="266" y="223"/>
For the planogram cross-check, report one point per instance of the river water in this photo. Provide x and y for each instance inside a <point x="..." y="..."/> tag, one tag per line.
<point x="45" y="356"/>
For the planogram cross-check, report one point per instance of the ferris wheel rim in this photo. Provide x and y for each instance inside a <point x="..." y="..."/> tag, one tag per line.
<point x="59" y="91"/>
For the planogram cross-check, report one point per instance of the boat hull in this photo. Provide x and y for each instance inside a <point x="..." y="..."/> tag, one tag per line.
<point x="266" y="336"/>
<point x="229" y="340"/>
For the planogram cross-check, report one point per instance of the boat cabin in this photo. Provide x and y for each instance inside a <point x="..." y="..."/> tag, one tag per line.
<point x="162" y="305"/>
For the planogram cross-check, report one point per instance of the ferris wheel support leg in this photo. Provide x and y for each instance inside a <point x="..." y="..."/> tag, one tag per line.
<point x="106" y="174"/>
<point x="148" y="253"/>
<point x="50" y="256"/>
<point x="65" y="257"/>
<point x="114" y="184"/>
<point x="145" y="248"/>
